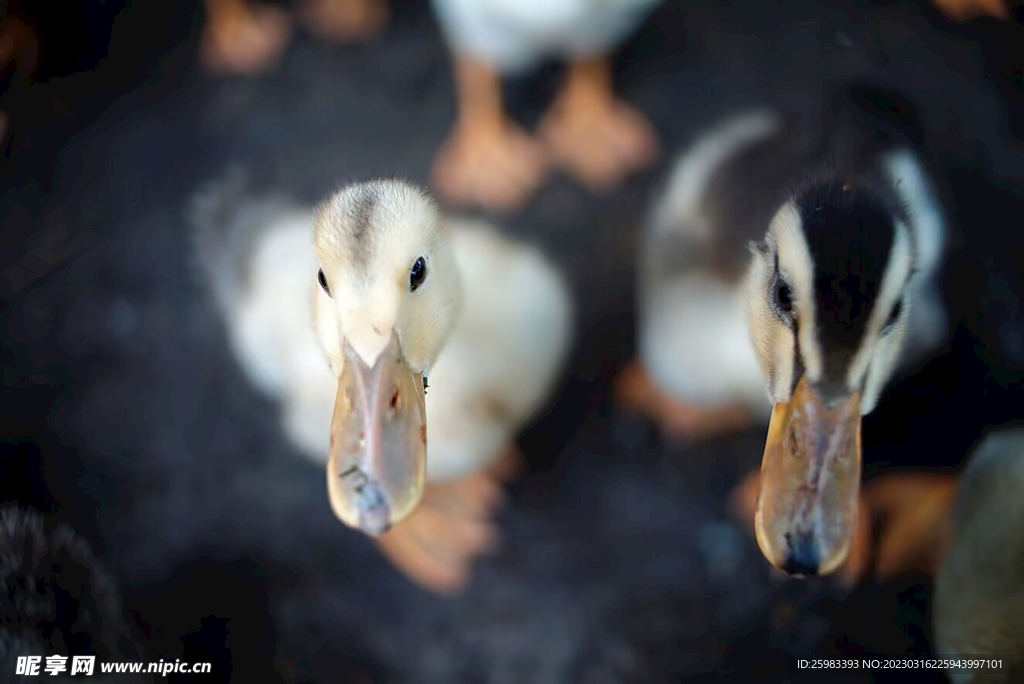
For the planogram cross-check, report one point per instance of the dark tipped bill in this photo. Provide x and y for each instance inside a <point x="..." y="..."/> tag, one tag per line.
<point x="377" y="466"/>
<point x="810" y="479"/>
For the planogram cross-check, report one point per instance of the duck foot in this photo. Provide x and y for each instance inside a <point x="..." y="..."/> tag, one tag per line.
<point x="903" y="524"/>
<point x="345" y="20"/>
<point x="244" y="39"/>
<point x="436" y="545"/>
<point x="635" y="390"/>
<point x="595" y="136"/>
<point x="509" y="464"/>
<point x="487" y="161"/>
<point x="913" y="511"/>
<point x="965" y="10"/>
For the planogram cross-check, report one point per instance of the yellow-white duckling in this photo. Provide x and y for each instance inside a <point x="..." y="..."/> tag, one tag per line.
<point x="345" y="311"/>
<point x="488" y="161"/>
<point x="979" y="589"/>
<point x="797" y="251"/>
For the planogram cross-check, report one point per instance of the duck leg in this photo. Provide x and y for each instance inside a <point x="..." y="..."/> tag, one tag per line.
<point x="436" y="545"/>
<point x="240" y="38"/>
<point x="593" y="134"/>
<point x="903" y="524"/>
<point x="487" y="161"/>
<point x="345" y="20"/>
<point x="635" y="390"/>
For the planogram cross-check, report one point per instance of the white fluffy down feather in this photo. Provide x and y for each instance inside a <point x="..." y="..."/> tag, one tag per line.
<point x="508" y="345"/>
<point x="695" y="332"/>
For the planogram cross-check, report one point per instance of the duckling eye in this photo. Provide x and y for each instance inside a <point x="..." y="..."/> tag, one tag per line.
<point x="782" y="298"/>
<point x="894" y="316"/>
<point x="417" y="274"/>
<point x="323" y="282"/>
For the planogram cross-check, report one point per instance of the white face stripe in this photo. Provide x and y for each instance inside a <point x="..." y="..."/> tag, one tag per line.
<point x="894" y="279"/>
<point x="797" y="267"/>
<point x="918" y="245"/>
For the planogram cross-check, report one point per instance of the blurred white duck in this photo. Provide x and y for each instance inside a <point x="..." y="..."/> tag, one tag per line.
<point x="797" y="251"/>
<point x="389" y="292"/>
<point x="490" y="162"/>
<point x="979" y="589"/>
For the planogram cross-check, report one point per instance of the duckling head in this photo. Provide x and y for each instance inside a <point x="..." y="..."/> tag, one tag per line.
<point x="827" y="297"/>
<point x="385" y="302"/>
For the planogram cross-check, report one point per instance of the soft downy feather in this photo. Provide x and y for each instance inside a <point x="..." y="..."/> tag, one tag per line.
<point x="739" y="172"/>
<point x="494" y="373"/>
<point x="693" y="326"/>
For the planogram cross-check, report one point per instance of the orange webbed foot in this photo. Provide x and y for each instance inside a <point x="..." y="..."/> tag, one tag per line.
<point x="913" y="512"/>
<point x="243" y="39"/>
<point x="961" y="11"/>
<point x="597" y="137"/>
<point x="453" y="525"/>
<point x="493" y="167"/>
<point x="345" y="20"/>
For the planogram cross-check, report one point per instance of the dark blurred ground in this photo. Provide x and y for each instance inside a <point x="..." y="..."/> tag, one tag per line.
<point x="125" y="416"/>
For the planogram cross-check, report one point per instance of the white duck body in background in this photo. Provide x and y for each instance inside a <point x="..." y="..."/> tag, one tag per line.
<point x="487" y="160"/>
<point x="979" y="588"/>
<point x="797" y="252"/>
<point x="488" y="322"/>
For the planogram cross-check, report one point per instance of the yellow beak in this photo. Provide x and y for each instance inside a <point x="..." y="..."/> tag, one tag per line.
<point x="810" y="477"/>
<point x="377" y="465"/>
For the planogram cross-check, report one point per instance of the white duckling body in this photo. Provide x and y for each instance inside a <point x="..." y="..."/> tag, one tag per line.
<point x="515" y="35"/>
<point x="795" y="251"/>
<point x="489" y="330"/>
<point x="695" y="337"/>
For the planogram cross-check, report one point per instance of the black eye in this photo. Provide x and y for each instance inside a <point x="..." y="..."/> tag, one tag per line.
<point x="323" y="282"/>
<point x="783" y="297"/>
<point x="894" y="315"/>
<point x="417" y="274"/>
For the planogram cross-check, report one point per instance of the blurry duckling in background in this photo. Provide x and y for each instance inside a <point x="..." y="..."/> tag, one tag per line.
<point x="979" y="587"/>
<point x="59" y="601"/>
<point x="487" y="160"/>
<point x="246" y="37"/>
<point x="345" y="311"/>
<point x="799" y="248"/>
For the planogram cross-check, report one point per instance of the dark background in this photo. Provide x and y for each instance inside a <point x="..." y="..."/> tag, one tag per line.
<point x="125" y="416"/>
